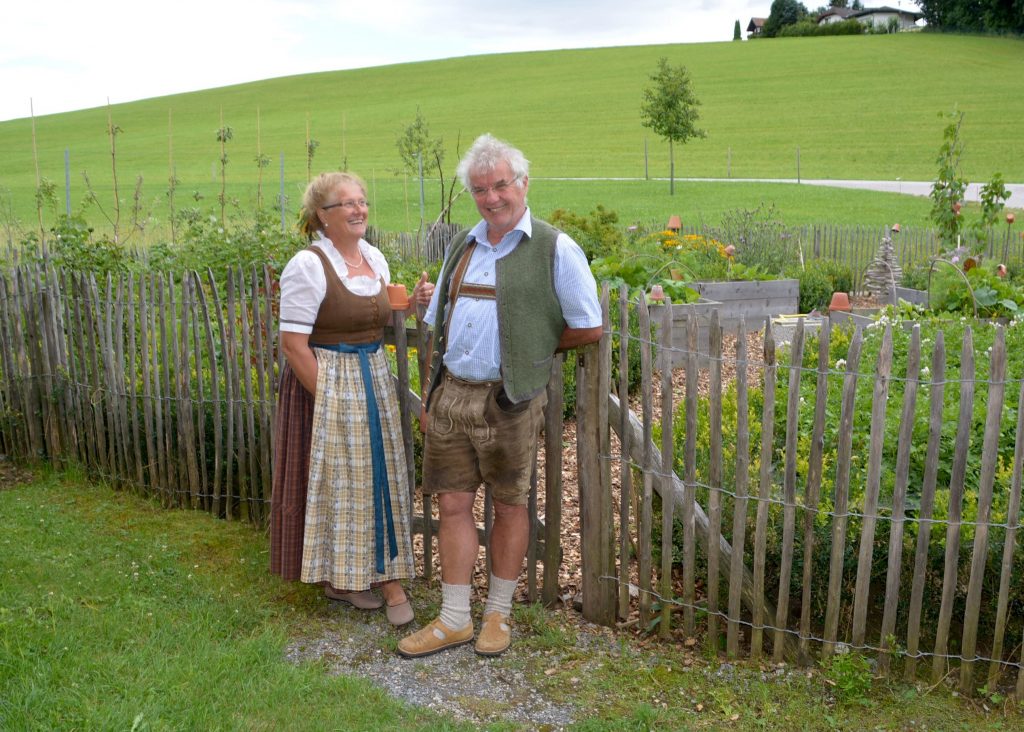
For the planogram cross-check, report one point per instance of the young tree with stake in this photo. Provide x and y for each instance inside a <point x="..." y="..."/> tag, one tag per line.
<point x="669" y="107"/>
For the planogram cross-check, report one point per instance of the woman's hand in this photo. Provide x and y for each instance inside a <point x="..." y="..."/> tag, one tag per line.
<point x="423" y="291"/>
<point x="301" y="358"/>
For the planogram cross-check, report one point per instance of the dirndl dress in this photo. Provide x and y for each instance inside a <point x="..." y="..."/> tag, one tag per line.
<point x="355" y="536"/>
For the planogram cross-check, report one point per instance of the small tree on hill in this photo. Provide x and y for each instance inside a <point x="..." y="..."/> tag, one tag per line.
<point x="736" y="32"/>
<point x="419" y="151"/>
<point x="669" y="107"/>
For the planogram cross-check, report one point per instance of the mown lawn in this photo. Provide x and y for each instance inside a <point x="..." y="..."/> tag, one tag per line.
<point x="118" y="614"/>
<point x="848" y="107"/>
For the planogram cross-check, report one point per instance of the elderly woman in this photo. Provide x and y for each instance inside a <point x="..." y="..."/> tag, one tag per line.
<point x="339" y="512"/>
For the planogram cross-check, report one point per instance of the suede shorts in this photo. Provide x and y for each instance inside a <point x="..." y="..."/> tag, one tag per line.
<point x="475" y="435"/>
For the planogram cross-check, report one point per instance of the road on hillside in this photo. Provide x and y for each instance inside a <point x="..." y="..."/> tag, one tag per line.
<point x="909" y="187"/>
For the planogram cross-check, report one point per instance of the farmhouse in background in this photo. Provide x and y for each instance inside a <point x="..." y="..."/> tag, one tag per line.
<point x="884" y="16"/>
<point x="755" y="27"/>
<point x="834" y="15"/>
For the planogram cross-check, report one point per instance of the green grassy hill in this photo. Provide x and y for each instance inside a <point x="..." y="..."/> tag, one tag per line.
<point x="856" y="107"/>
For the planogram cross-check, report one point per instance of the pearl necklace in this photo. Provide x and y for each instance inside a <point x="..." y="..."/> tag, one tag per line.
<point x="357" y="265"/>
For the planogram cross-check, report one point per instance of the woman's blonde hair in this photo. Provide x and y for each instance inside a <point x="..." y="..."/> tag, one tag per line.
<point x="317" y="192"/>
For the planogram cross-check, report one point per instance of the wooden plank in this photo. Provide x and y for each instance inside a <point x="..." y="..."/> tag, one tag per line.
<point x="668" y="463"/>
<point x="125" y="439"/>
<point x="595" y="502"/>
<point x="196" y="286"/>
<point x="423" y="357"/>
<point x="97" y="343"/>
<point x="272" y="375"/>
<point x="263" y="319"/>
<point x="690" y="481"/>
<point x="159" y="355"/>
<point x="14" y="437"/>
<point x="840" y="502"/>
<point x="796" y="350"/>
<point x="739" y="521"/>
<point x="714" y="479"/>
<point x="625" y="470"/>
<point x="812" y="489"/>
<point x="27" y="338"/>
<point x="955" y="511"/>
<point x="879" y="402"/>
<point x="228" y="348"/>
<point x="607" y="520"/>
<point x="134" y="326"/>
<point x="72" y="335"/>
<point x="48" y="294"/>
<point x="186" y="404"/>
<point x="402" y="364"/>
<point x="989" y="458"/>
<point x="165" y="440"/>
<point x="1009" y="544"/>
<point x="215" y="395"/>
<point x="553" y="431"/>
<point x="899" y="497"/>
<point x="148" y="400"/>
<point x="927" y="506"/>
<point x="763" y="492"/>
<point x="645" y="561"/>
<point x="111" y="412"/>
<point x="252" y="505"/>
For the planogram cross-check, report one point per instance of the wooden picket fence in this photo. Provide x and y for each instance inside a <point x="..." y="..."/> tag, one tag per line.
<point x="167" y="386"/>
<point x="857" y="246"/>
<point x="722" y="572"/>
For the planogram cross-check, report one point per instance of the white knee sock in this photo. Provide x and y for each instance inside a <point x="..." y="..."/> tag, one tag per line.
<point x="455" y="606"/>
<point x="499" y="595"/>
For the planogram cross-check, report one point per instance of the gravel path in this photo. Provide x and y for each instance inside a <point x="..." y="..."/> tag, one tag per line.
<point x="455" y="682"/>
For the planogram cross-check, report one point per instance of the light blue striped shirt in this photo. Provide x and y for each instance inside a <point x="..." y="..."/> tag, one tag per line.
<point x="473" y="352"/>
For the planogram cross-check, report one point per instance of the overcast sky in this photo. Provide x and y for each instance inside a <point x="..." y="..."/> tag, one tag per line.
<point x="74" y="54"/>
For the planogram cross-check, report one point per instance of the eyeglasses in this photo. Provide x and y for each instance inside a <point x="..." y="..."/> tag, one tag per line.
<point x="348" y="205"/>
<point x="500" y="187"/>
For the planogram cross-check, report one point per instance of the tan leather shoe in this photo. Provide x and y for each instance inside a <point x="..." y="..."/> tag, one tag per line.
<point x="495" y="635"/>
<point x="364" y="600"/>
<point x="433" y="638"/>
<point x="400" y="614"/>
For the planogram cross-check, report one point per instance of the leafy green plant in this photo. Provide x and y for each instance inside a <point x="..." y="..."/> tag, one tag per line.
<point x="596" y="233"/>
<point x="815" y="289"/>
<point x="850" y="674"/>
<point x="760" y="239"/>
<point x="949" y="186"/>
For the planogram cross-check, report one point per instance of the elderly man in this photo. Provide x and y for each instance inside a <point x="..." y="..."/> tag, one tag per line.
<point x="512" y="292"/>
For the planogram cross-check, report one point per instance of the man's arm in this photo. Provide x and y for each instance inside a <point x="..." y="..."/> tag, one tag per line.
<point x="575" y="337"/>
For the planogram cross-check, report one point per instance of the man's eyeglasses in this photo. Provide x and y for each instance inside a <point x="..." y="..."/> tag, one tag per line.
<point x="348" y="205"/>
<point x="500" y="187"/>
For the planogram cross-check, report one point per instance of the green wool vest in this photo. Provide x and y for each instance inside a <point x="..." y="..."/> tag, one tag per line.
<point x="530" y="321"/>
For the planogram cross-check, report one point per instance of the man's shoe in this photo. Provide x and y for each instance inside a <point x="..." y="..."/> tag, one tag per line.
<point x="364" y="600"/>
<point x="495" y="635"/>
<point x="433" y="638"/>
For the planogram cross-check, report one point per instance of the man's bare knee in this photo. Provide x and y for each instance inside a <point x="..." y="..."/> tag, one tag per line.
<point x="455" y="505"/>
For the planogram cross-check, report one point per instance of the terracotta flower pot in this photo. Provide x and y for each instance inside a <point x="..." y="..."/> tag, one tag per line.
<point x="840" y="301"/>
<point x="398" y="296"/>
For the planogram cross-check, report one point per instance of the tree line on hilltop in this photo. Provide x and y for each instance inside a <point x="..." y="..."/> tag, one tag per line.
<point x="789" y="17"/>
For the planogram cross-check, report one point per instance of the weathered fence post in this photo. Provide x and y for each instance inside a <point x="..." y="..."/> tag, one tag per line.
<point x="599" y="592"/>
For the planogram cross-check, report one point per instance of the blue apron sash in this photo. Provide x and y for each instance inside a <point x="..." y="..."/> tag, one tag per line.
<point x="381" y="488"/>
